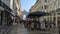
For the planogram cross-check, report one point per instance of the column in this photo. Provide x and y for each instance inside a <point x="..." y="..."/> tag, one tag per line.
<point x="18" y="7"/>
<point x="11" y="4"/>
<point x="52" y="17"/>
<point x="52" y="20"/>
<point x="46" y="18"/>
<point x="56" y="13"/>
<point x="56" y="20"/>
<point x="49" y="17"/>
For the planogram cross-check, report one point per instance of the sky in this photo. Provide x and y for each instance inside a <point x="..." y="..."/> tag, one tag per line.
<point x="26" y="4"/>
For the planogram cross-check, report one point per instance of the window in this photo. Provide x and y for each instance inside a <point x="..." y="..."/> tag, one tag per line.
<point x="59" y="4"/>
<point x="58" y="13"/>
<point x="45" y="1"/>
<point x="42" y="7"/>
<point x="45" y="6"/>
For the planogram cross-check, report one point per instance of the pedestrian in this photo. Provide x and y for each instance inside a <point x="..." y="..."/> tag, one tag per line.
<point x="11" y="21"/>
<point x="46" y="25"/>
<point x="59" y="26"/>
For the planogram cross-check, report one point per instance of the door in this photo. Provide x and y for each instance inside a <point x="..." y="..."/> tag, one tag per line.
<point x="1" y="17"/>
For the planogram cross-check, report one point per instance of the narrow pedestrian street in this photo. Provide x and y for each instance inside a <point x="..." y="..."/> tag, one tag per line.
<point x="29" y="16"/>
<point x="18" y="29"/>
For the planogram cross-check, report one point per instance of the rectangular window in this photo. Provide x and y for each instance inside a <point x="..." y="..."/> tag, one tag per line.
<point x="59" y="4"/>
<point x="45" y="7"/>
<point x="45" y="1"/>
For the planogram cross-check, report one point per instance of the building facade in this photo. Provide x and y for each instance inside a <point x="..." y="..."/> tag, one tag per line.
<point x="8" y="11"/>
<point x="18" y="4"/>
<point x="4" y="15"/>
<point x="50" y="6"/>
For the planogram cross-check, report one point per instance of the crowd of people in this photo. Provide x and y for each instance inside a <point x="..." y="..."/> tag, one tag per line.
<point x="39" y="25"/>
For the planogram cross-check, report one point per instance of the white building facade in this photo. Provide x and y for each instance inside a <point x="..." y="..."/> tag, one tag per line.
<point x="50" y="6"/>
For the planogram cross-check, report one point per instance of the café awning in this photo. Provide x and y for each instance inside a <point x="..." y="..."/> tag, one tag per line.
<point x="37" y="14"/>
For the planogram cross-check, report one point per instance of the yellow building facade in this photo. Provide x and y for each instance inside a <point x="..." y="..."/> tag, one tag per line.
<point x="18" y="7"/>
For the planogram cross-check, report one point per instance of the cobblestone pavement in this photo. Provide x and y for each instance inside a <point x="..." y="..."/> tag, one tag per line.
<point x="19" y="29"/>
<point x="7" y="29"/>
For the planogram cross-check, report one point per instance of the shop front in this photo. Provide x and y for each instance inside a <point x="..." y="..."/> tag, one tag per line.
<point x="0" y="17"/>
<point x="5" y="12"/>
<point x="36" y="19"/>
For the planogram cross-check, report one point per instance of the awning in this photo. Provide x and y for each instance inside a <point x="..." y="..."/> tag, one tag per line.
<point x="9" y="13"/>
<point x="37" y="14"/>
<point x="29" y="16"/>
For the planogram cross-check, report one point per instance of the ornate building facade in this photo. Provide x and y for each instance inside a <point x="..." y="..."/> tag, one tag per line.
<point x="18" y="7"/>
<point x="50" y="6"/>
<point x="8" y="11"/>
